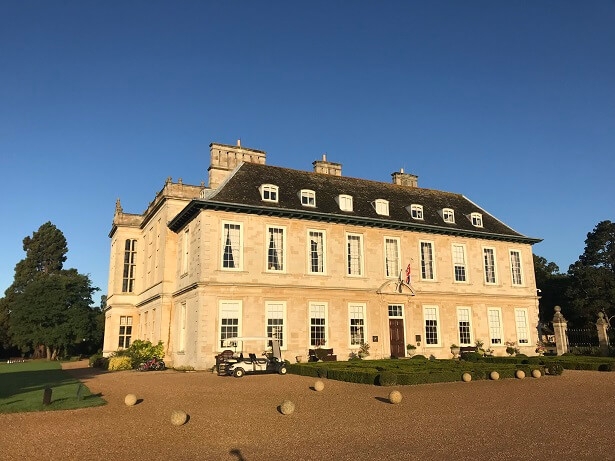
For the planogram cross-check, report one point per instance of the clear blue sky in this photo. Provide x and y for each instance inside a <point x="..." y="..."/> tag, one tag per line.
<point x="510" y="103"/>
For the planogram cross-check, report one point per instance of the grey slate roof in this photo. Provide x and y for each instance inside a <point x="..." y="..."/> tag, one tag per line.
<point x="240" y="193"/>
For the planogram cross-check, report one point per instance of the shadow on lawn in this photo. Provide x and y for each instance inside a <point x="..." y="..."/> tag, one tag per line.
<point x="20" y="379"/>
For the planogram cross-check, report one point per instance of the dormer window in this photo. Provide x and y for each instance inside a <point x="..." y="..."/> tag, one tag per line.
<point x="477" y="219"/>
<point x="345" y="202"/>
<point x="381" y="206"/>
<point x="308" y="197"/>
<point x="416" y="211"/>
<point x="448" y="215"/>
<point x="269" y="193"/>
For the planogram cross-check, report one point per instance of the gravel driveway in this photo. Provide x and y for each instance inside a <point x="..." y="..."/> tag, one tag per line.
<point x="567" y="417"/>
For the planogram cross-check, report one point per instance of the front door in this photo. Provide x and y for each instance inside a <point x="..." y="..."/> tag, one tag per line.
<point x="396" y="333"/>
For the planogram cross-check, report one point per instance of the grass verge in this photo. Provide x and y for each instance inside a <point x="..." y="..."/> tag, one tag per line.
<point x="22" y="386"/>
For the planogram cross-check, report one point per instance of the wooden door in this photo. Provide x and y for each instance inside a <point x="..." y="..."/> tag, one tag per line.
<point x="396" y="333"/>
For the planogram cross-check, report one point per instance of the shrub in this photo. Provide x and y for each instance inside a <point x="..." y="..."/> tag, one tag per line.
<point x="471" y="356"/>
<point x="120" y="363"/>
<point x="321" y="372"/>
<point x="419" y="357"/>
<point x="387" y="378"/>
<point x="98" y="361"/>
<point x="554" y="368"/>
<point x="141" y="351"/>
<point x="606" y="367"/>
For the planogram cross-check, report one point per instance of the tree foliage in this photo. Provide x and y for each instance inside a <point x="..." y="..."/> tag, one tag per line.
<point x="552" y="285"/>
<point x="47" y="306"/>
<point x="592" y="284"/>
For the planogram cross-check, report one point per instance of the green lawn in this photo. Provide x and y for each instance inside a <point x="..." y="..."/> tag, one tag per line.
<point x="22" y="386"/>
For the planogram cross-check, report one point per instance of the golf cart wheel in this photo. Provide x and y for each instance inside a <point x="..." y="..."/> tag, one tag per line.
<point x="238" y="373"/>
<point x="282" y="370"/>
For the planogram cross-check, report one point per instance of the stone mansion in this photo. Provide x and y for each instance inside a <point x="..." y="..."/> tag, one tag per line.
<point x="316" y="259"/>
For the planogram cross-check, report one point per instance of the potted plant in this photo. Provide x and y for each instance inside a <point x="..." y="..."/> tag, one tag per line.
<point x="410" y="349"/>
<point x="455" y="349"/>
<point x="363" y="351"/>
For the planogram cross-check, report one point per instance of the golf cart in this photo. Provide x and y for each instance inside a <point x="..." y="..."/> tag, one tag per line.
<point x="269" y="361"/>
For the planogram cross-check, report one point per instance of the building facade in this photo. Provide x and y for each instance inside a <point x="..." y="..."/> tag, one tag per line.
<point x="317" y="259"/>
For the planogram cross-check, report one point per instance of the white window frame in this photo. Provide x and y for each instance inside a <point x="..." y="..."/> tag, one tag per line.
<point x="416" y="211"/>
<point x="522" y="326"/>
<point x="516" y="269"/>
<point x="185" y="246"/>
<point x="381" y="206"/>
<point x="129" y="268"/>
<point x="476" y="219"/>
<point x="276" y="307"/>
<point x="457" y="263"/>
<point x="487" y="266"/>
<point x="183" y="321"/>
<point x="427" y="266"/>
<point x="357" y="312"/>
<point x="308" y="197"/>
<point x="345" y="202"/>
<point x="323" y="235"/>
<point x="448" y="215"/>
<point x="269" y="193"/>
<point x="125" y="336"/>
<point x="393" y="315"/>
<point x="236" y="252"/>
<point x="312" y="307"/>
<point x="431" y="313"/>
<point x="461" y="313"/>
<point x="350" y="257"/>
<point x="225" y="307"/>
<point x="496" y="329"/>
<point x="392" y="263"/>
<point x="277" y="236"/>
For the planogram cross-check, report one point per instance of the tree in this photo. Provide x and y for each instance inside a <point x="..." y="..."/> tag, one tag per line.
<point x="552" y="285"/>
<point x="47" y="306"/>
<point x="592" y="286"/>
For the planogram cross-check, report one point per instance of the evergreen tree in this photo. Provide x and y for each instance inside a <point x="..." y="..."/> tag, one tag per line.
<point x="47" y="307"/>
<point x="592" y="287"/>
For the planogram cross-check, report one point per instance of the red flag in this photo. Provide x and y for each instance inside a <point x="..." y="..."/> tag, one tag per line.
<point x="408" y="274"/>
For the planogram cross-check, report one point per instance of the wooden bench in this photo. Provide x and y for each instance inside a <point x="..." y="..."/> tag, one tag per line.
<point x="326" y="355"/>
<point x="464" y="349"/>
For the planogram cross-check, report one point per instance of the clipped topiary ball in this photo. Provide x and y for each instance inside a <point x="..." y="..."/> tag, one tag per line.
<point x="287" y="407"/>
<point x="395" y="397"/>
<point x="494" y="375"/>
<point x="466" y="377"/>
<point x="130" y="400"/>
<point x="319" y="385"/>
<point x="519" y="374"/>
<point x="536" y="373"/>
<point x="178" y="417"/>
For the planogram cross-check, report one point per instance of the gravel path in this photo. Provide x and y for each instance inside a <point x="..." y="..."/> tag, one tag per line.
<point x="567" y="417"/>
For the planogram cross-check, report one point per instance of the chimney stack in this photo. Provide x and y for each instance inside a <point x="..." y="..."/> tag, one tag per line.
<point x="325" y="167"/>
<point x="224" y="158"/>
<point x="405" y="179"/>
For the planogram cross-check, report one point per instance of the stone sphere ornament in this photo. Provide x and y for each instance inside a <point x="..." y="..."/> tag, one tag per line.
<point x="395" y="397"/>
<point x="519" y="374"/>
<point x="178" y="418"/>
<point x="494" y="375"/>
<point x="319" y="385"/>
<point x="536" y="373"/>
<point x="287" y="407"/>
<point x="466" y="377"/>
<point x="130" y="400"/>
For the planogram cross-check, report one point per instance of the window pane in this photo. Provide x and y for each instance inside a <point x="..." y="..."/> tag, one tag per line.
<point x="431" y="326"/>
<point x="427" y="261"/>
